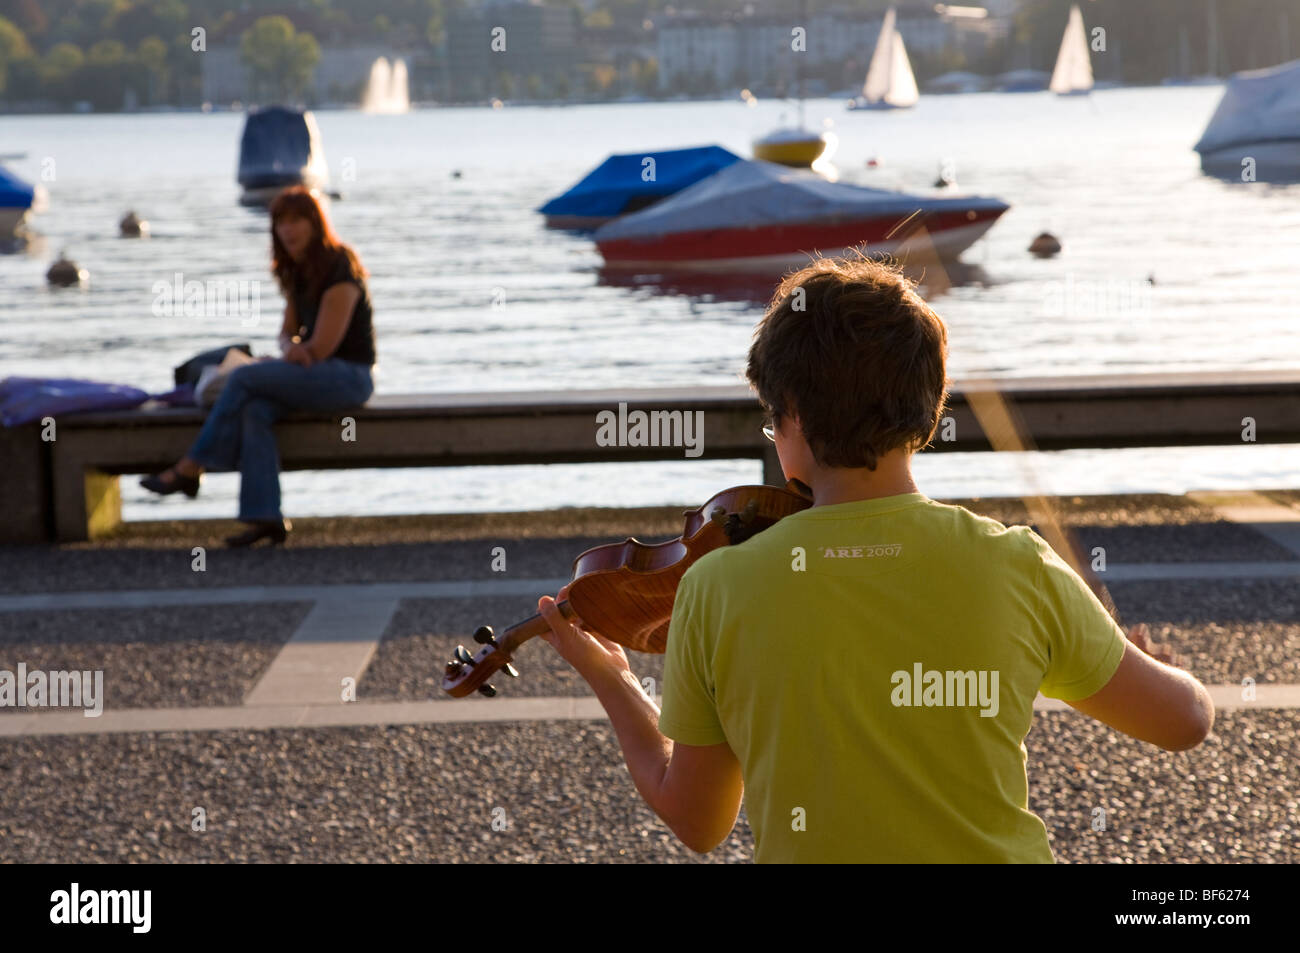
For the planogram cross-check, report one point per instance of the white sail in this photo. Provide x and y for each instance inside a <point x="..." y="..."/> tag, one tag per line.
<point x="902" y="86"/>
<point x="1073" y="73"/>
<point x="890" y="80"/>
<point x="881" y="69"/>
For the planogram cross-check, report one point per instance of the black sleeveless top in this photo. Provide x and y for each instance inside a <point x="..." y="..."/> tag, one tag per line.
<point x="358" y="342"/>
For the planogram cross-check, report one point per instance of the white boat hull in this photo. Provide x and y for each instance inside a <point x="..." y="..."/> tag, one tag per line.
<point x="946" y="245"/>
<point x="1273" y="161"/>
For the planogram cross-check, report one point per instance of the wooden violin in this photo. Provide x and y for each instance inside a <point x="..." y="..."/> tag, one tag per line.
<point x="625" y="590"/>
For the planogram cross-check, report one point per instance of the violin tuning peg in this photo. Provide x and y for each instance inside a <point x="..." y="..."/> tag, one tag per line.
<point x="453" y="669"/>
<point x="463" y="656"/>
<point x="484" y="635"/>
<point x="511" y="670"/>
<point x="487" y="691"/>
<point x="719" y="515"/>
<point x="749" y="512"/>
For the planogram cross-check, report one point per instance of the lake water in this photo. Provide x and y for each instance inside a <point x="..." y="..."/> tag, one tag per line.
<point x="1163" y="269"/>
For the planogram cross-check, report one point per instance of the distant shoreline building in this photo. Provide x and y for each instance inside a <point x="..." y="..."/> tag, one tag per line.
<point x="753" y="50"/>
<point x="500" y="47"/>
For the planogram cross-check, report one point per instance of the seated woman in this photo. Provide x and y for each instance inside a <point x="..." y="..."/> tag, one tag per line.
<point x="328" y="342"/>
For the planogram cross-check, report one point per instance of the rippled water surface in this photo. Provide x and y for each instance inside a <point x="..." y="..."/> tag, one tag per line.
<point x="1163" y="269"/>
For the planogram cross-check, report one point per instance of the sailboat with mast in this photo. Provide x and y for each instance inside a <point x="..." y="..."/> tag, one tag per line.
<point x="1073" y="73"/>
<point x="795" y="146"/>
<point x="890" y="83"/>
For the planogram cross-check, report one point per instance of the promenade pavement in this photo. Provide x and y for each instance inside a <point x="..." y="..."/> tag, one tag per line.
<point x="223" y="695"/>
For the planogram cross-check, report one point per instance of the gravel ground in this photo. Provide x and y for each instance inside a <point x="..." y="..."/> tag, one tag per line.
<point x="459" y="546"/>
<point x="430" y="793"/>
<point x="90" y="569"/>
<point x="171" y="657"/>
<point x="1227" y="630"/>
<point x="1230" y="800"/>
<point x="402" y="793"/>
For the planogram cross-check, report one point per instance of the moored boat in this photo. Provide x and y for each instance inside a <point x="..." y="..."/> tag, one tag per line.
<point x="757" y="216"/>
<point x="956" y="83"/>
<point x="280" y="147"/>
<point x="17" y="200"/>
<point x="795" y="146"/>
<point x="1254" y="133"/>
<point x="1021" y="81"/>
<point x="630" y="182"/>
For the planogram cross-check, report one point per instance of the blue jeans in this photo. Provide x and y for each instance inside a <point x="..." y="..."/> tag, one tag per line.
<point x="237" y="434"/>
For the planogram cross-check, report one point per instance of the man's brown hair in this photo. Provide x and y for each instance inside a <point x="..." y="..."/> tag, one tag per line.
<point x="849" y="346"/>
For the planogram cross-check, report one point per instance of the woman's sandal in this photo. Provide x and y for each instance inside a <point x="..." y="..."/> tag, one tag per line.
<point x="189" y="485"/>
<point x="277" y="531"/>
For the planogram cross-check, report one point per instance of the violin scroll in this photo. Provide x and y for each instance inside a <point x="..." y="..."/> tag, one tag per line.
<point x="466" y="673"/>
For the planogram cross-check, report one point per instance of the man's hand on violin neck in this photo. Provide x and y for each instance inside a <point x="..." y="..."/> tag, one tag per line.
<point x="591" y="654"/>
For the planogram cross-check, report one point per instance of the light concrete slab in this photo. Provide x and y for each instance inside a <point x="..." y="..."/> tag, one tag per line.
<point x="1144" y="572"/>
<point x="248" y="717"/>
<point x="335" y="642"/>
<point x="581" y="708"/>
<point x="1266" y="516"/>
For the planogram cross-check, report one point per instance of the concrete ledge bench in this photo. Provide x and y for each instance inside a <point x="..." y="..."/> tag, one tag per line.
<point x="67" y="489"/>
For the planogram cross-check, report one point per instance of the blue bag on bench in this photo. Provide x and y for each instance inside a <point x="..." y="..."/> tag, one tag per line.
<point x="24" y="399"/>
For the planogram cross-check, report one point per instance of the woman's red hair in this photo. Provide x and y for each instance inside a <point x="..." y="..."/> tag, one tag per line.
<point x="322" y="252"/>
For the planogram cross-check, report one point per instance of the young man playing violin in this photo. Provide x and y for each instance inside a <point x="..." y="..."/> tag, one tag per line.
<point x="864" y="671"/>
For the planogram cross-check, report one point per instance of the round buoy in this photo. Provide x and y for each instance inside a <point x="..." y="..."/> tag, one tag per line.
<point x="65" y="272"/>
<point x="1045" y="245"/>
<point x="132" y="226"/>
<point x="873" y="162"/>
<point x="455" y="173"/>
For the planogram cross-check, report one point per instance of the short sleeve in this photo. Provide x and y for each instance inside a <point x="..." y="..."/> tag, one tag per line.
<point x="1085" y="645"/>
<point x="339" y="273"/>
<point x="689" y="713"/>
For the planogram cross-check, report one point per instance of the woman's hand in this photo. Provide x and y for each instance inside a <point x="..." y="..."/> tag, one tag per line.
<point x="588" y="652"/>
<point x="298" y="354"/>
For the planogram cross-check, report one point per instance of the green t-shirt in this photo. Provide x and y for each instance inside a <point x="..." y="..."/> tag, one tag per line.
<point x="873" y="665"/>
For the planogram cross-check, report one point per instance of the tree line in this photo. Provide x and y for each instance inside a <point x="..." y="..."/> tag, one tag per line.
<point x="107" y="52"/>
